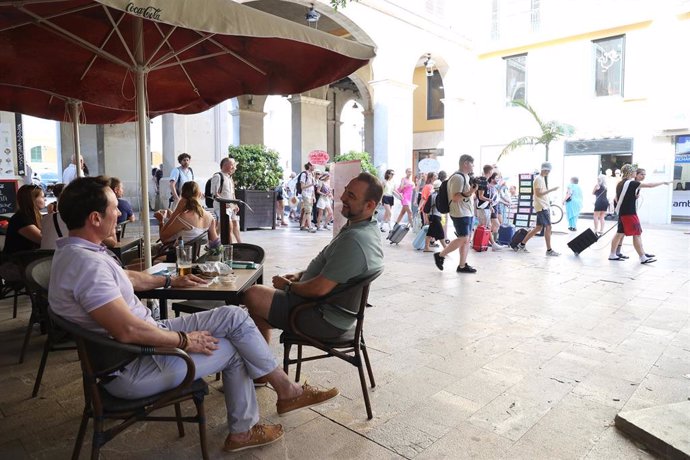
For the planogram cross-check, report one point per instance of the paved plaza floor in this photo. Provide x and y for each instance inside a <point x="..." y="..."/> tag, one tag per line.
<point x="531" y="357"/>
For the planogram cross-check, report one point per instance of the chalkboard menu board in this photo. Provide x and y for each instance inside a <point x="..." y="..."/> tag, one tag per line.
<point x="8" y="196"/>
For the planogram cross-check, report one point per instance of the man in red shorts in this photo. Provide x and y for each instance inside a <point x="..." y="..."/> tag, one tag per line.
<point x="627" y="192"/>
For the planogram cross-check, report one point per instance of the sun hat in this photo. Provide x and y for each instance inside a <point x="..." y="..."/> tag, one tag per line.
<point x="437" y="184"/>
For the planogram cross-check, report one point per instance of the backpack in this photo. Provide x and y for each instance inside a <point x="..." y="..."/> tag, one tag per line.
<point x="298" y="184"/>
<point x="207" y="190"/>
<point x="442" y="199"/>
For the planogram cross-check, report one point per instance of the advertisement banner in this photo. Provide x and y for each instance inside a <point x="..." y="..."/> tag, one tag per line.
<point x="681" y="203"/>
<point x="7" y="155"/>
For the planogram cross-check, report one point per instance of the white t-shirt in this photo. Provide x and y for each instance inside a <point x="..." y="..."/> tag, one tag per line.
<point x="227" y="191"/>
<point x="49" y="234"/>
<point x="540" y="202"/>
<point x="69" y="174"/>
<point x="307" y="180"/>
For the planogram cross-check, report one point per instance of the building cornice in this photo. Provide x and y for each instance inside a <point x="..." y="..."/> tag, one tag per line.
<point x="544" y="43"/>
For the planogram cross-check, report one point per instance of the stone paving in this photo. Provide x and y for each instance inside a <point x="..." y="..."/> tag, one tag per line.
<point x="531" y="357"/>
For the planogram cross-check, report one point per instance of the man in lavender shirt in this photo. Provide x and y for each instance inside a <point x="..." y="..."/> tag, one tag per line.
<point x="89" y="288"/>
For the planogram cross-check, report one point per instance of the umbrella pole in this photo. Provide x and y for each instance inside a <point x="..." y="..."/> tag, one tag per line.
<point x="74" y="113"/>
<point x="143" y="156"/>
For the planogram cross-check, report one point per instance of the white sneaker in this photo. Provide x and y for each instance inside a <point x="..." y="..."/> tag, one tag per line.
<point x="521" y="249"/>
<point x="312" y="230"/>
<point x="552" y="253"/>
<point x="496" y="247"/>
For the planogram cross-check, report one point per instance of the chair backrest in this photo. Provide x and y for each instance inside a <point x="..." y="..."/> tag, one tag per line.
<point x="248" y="252"/>
<point x="352" y="296"/>
<point x="37" y="274"/>
<point x="99" y="355"/>
<point x="196" y="244"/>
<point x="168" y="249"/>
<point x="120" y="230"/>
<point x="17" y="262"/>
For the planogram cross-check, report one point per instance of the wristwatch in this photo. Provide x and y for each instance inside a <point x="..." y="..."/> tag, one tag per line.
<point x="288" y="286"/>
<point x="168" y="282"/>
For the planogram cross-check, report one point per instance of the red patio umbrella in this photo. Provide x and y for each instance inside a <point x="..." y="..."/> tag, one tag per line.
<point x="126" y="60"/>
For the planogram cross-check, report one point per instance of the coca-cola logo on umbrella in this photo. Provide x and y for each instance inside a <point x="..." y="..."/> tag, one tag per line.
<point x="318" y="157"/>
<point x="148" y="12"/>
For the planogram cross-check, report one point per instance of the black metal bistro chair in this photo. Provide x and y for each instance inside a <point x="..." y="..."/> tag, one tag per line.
<point x="37" y="276"/>
<point x="100" y="356"/>
<point x="349" y="347"/>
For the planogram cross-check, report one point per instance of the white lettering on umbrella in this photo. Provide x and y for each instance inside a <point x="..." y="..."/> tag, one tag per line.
<point x="148" y="12"/>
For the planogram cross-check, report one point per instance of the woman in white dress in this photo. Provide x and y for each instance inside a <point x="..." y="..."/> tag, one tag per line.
<point x="324" y="205"/>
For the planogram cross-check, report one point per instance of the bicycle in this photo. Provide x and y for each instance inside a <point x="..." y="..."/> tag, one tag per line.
<point x="556" y="213"/>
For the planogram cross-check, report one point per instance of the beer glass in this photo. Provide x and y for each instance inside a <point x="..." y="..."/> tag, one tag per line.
<point x="184" y="260"/>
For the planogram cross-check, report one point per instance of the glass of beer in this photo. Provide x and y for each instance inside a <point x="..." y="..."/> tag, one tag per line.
<point x="184" y="260"/>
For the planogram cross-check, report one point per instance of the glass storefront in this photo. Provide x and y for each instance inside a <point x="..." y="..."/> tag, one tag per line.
<point x="681" y="178"/>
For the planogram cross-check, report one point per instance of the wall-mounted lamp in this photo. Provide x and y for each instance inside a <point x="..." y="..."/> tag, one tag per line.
<point x="429" y="65"/>
<point x="312" y="16"/>
<point x="250" y="100"/>
<point x="354" y="105"/>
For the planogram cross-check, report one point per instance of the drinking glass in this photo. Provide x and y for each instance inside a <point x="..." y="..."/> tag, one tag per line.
<point x="184" y="260"/>
<point x="227" y="254"/>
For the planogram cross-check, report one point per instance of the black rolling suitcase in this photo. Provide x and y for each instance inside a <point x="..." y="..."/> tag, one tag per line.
<point x="582" y="241"/>
<point x="517" y="238"/>
<point x="398" y="233"/>
<point x="586" y="239"/>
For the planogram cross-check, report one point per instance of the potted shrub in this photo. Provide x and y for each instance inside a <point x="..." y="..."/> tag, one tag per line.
<point x="258" y="174"/>
<point x="364" y="157"/>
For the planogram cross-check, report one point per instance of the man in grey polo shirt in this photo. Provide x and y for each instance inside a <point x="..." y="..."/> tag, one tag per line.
<point x="89" y="288"/>
<point x="355" y="253"/>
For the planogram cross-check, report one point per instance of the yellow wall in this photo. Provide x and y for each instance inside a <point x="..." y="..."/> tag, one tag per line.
<point x="48" y="155"/>
<point x="592" y="35"/>
<point x="420" y="123"/>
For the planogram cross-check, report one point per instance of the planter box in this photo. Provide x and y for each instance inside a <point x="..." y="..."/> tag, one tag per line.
<point x="264" y="205"/>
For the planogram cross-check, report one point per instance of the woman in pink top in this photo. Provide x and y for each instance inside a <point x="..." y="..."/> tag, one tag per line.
<point x="426" y="193"/>
<point x="405" y="190"/>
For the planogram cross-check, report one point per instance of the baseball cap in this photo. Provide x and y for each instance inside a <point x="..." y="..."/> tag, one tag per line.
<point x="546" y="166"/>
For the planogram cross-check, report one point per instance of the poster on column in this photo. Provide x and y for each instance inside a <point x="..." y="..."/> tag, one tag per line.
<point x="7" y="155"/>
<point x="342" y="174"/>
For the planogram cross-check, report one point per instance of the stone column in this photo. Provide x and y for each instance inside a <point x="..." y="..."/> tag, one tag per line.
<point x="368" y="131"/>
<point x="333" y="135"/>
<point x="460" y="131"/>
<point x="220" y="130"/>
<point x="248" y="126"/>
<point x="89" y="142"/>
<point x="309" y="128"/>
<point x="392" y="124"/>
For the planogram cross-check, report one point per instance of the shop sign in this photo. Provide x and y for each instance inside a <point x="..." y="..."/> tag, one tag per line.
<point x="682" y="158"/>
<point x="318" y="157"/>
<point x="681" y="203"/>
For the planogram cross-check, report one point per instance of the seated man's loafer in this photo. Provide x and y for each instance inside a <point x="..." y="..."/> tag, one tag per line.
<point x="259" y="435"/>
<point x="310" y="397"/>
